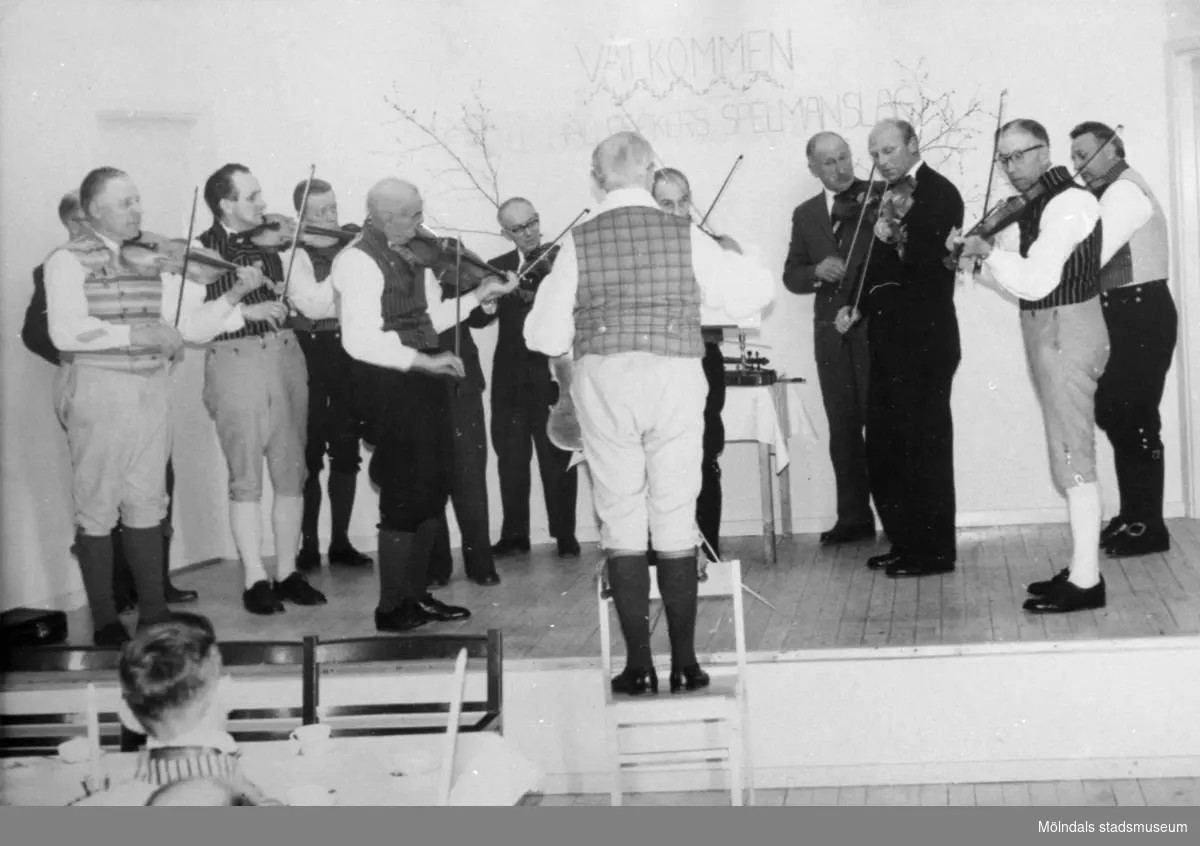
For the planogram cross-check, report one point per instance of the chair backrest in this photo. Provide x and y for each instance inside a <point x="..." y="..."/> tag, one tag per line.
<point x="40" y="733"/>
<point x="405" y="717"/>
<point x="722" y="579"/>
<point x="457" y="690"/>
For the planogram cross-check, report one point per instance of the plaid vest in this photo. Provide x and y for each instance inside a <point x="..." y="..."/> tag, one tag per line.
<point x="243" y="254"/>
<point x="402" y="305"/>
<point x="117" y="293"/>
<point x="637" y="291"/>
<point x="1081" y="271"/>
<point x="1144" y="257"/>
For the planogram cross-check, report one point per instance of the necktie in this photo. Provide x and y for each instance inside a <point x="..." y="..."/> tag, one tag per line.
<point x="844" y="214"/>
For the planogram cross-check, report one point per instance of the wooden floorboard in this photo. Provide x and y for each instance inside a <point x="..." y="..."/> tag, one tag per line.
<point x="821" y="598"/>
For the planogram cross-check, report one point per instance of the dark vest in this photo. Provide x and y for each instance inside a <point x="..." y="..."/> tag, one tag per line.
<point x="243" y="254"/>
<point x="637" y="291"/>
<point x="402" y="304"/>
<point x="1081" y="271"/>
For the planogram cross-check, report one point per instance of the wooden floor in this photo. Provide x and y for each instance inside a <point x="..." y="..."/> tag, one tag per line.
<point x="822" y="598"/>
<point x="1103" y="794"/>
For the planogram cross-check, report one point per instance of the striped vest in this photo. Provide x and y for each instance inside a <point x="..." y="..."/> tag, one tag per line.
<point x="1081" y="271"/>
<point x="1144" y="257"/>
<point x="117" y="293"/>
<point x="402" y="304"/>
<point x="637" y="291"/>
<point x="243" y="254"/>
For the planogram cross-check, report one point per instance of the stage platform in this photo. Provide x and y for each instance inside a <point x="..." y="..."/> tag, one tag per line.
<point x="856" y="680"/>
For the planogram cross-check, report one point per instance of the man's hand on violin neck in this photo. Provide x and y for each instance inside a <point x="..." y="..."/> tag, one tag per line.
<point x="493" y="288"/>
<point x="830" y="269"/>
<point x="442" y="364"/>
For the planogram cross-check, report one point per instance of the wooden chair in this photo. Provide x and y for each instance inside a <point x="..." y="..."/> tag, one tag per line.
<point x="666" y="719"/>
<point x="446" y="777"/>
<point x="371" y="718"/>
<point x="40" y="733"/>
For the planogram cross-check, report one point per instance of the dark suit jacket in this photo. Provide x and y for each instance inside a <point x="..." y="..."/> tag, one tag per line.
<point x="473" y="382"/>
<point x="916" y="292"/>
<point x="517" y="372"/>
<point x="36" y="331"/>
<point x="813" y="241"/>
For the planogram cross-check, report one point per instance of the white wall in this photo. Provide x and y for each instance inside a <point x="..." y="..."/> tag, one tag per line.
<point x="279" y="86"/>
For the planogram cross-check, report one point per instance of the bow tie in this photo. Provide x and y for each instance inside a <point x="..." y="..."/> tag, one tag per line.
<point x="904" y="183"/>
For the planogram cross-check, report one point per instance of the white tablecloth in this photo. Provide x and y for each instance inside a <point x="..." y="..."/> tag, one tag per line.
<point x="395" y="770"/>
<point x="751" y="414"/>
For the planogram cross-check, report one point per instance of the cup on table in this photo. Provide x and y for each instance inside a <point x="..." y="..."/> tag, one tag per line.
<point x="310" y="794"/>
<point x="75" y="751"/>
<point x="312" y="739"/>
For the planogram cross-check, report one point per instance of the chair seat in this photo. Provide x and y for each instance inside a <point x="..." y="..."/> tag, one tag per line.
<point x="654" y="708"/>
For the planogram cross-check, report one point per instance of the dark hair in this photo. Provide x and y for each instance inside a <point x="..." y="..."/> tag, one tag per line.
<point x="68" y="205"/>
<point x="1103" y="132"/>
<point x="319" y="186"/>
<point x="165" y="665"/>
<point x="93" y="184"/>
<point x="219" y="187"/>
<point x="1026" y="125"/>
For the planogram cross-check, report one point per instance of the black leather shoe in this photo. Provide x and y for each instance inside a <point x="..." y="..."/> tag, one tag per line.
<point x="1115" y="526"/>
<point x="1066" y="597"/>
<point x="845" y="533"/>
<point x="259" y="598"/>
<point x="1139" y="539"/>
<point x="510" y="546"/>
<point x="633" y="682"/>
<point x="399" y="620"/>
<point x="348" y="556"/>
<point x="878" y="562"/>
<point x="568" y="548"/>
<point x="1048" y="586"/>
<point x="114" y="634"/>
<point x="295" y="588"/>
<point x="309" y="557"/>
<point x="178" y="596"/>
<point x="909" y="566"/>
<point x="439" y="611"/>
<point x="688" y="678"/>
<point x="436" y="582"/>
<point x="488" y="580"/>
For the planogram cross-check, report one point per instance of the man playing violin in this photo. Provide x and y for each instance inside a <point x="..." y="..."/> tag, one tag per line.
<point x="391" y="312"/>
<point x="522" y="394"/>
<point x="625" y="297"/>
<point x="824" y="228"/>
<point x="1051" y="261"/>
<point x="332" y="427"/>
<point x="256" y="387"/>
<point x="1142" y="326"/>
<point x="914" y="346"/>
<point x="673" y="193"/>
<point x="117" y="330"/>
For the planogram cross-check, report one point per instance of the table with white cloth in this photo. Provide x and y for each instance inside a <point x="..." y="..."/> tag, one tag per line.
<point x="769" y="415"/>
<point x="383" y="770"/>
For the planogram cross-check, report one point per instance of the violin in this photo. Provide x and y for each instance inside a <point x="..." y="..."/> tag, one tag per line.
<point x="451" y="262"/>
<point x="562" y="427"/>
<point x="538" y="265"/>
<point x="277" y="231"/>
<point x="151" y="253"/>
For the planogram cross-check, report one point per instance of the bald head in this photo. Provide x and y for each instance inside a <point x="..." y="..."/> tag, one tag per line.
<point x="894" y="148"/>
<point x="395" y="208"/>
<point x="830" y="161"/>
<point x="623" y="160"/>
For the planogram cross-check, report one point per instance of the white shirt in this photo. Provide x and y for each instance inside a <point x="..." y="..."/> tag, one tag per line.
<point x="1068" y="218"/>
<point x="736" y="285"/>
<point x="358" y="282"/>
<point x="1124" y="210"/>
<point x="72" y="329"/>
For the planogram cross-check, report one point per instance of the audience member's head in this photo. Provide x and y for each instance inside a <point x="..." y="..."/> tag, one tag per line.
<point x="200" y="792"/>
<point x="170" y="677"/>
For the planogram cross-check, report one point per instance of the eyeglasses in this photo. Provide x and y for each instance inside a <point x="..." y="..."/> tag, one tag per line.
<point x="526" y="227"/>
<point x="1015" y="158"/>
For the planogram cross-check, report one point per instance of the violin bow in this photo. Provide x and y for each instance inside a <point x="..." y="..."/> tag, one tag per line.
<point x="721" y="191"/>
<point x="457" y="298"/>
<point x="546" y="252"/>
<point x="187" y="254"/>
<point x="987" y="195"/>
<point x="312" y="171"/>
<point x="862" y="213"/>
